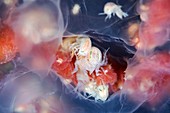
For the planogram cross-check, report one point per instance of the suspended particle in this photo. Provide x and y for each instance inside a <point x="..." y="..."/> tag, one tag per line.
<point x="76" y="9"/>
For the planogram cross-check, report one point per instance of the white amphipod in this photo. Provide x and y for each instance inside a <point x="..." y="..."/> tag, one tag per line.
<point x="102" y="92"/>
<point x="91" y="62"/>
<point x="82" y="46"/>
<point x="94" y="58"/>
<point x="111" y="8"/>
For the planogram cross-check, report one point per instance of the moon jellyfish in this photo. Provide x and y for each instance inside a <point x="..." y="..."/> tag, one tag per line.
<point x="38" y="23"/>
<point x="154" y="16"/>
<point x="38" y="27"/>
<point x="23" y="91"/>
<point x="147" y="74"/>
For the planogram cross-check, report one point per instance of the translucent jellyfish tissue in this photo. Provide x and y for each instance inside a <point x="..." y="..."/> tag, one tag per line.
<point x="69" y="56"/>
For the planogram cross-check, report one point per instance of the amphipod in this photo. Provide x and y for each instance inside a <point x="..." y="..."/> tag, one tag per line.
<point x="82" y="46"/>
<point x="111" y="8"/>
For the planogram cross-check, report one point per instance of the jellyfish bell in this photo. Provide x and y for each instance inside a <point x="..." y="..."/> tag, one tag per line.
<point x="35" y="29"/>
<point x="23" y="91"/>
<point x="38" y="27"/>
<point x="18" y="89"/>
<point x="147" y="84"/>
<point x="40" y="57"/>
<point x="154" y="28"/>
<point x="38" y="23"/>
